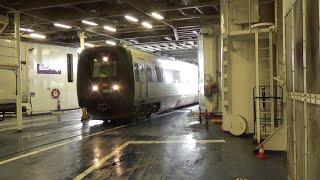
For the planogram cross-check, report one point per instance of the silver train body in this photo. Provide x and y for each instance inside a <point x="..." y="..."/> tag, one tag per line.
<point x="133" y="83"/>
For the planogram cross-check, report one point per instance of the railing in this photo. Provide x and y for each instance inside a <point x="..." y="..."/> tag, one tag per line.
<point x="265" y="99"/>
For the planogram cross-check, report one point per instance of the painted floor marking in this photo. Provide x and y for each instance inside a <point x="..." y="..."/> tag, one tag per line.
<point x="58" y="145"/>
<point x="118" y="149"/>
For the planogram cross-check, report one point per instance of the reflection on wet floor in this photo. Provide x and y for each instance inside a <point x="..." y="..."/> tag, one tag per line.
<point x="95" y="122"/>
<point x="172" y="146"/>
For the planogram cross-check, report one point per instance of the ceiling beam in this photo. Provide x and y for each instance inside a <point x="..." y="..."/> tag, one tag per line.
<point x="28" y="5"/>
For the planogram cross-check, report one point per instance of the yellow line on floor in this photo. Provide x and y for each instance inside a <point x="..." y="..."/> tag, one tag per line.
<point x="58" y="145"/>
<point x="64" y="143"/>
<point x="178" y="141"/>
<point x="118" y="149"/>
<point x="100" y="162"/>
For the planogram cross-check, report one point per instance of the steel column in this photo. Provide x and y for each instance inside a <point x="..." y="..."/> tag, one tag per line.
<point x="271" y="80"/>
<point x="305" y="116"/>
<point x="18" y="71"/>
<point x="82" y="37"/>
<point x="293" y="90"/>
<point x="256" y="38"/>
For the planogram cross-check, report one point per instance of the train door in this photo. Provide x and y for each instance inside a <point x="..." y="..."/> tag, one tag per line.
<point x="143" y="82"/>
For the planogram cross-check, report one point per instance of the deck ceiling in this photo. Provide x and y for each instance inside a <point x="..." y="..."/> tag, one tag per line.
<point x="173" y="36"/>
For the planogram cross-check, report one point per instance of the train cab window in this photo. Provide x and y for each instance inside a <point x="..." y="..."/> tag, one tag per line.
<point x="136" y="72"/>
<point x="104" y="69"/>
<point x="159" y="74"/>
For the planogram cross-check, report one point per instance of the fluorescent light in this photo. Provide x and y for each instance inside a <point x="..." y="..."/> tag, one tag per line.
<point x="131" y="18"/>
<point x="26" y="30"/>
<point x="134" y="41"/>
<point x="147" y="25"/>
<point x="62" y="25"/>
<point x="168" y="38"/>
<point x="109" y="28"/>
<point x="157" y="16"/>
<point x="89" y="23"/>
<point x="38" y="36"/>
<point x="89" y="44"/>
<point x="112" y="43"/>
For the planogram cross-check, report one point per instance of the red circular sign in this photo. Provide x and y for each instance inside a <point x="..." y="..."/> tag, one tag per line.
<point x="55" y="93"/>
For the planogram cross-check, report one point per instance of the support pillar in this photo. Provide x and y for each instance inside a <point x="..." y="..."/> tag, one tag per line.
<point x="18" y="71"/>
<point x="257" y="91"/>
<point x="82" y="35"/>
<point x="209" y="80"/>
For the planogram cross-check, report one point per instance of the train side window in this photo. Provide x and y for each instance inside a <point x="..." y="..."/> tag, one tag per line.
<point x="70" y="67"/>
<point x="149" y="74"/>
<point x="142" y="73"/>
<point x="154" y="75"/>
<point x="159" y="74"/>
<point x="168" y="76"/>
<point x="176" y="76"/>
<point x="136" y="72"/>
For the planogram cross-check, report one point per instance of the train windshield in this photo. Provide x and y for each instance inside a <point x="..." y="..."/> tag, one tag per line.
<point x="104" y="69"/>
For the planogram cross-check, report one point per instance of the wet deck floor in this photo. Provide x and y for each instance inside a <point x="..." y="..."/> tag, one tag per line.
<point x="170" y="146"/>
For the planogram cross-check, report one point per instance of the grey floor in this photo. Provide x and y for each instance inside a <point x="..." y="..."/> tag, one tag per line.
<point x="33" y="154"/>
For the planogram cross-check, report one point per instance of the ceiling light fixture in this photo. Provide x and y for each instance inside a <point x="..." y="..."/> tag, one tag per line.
<point x="89" y="44"/>
<point x="147" y="25"/>
<point x="112" y="43"/>
<point x="62" y="25"/>
<point x="134" y="41"/>
<point x="109" y="28"/>
<point x="38" y="36"/>
<point x="26" y="30"/>
<point x="168" y="38"/>
<point x="157" y="16"/>
<point x="131" y="18"/>
<point x="89" y="23"/>
<point x="195" y="32"/>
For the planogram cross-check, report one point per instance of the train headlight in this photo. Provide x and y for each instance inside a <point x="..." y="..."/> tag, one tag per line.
<point x="105" y="59"/>
<point x="115" y="87"/>
<point x="95" y="88"/>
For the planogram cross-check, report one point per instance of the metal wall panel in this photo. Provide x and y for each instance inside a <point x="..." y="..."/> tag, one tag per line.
<point x="314" y="141"/>
<point x="313" y="59"/>
<point x="307" y="128"/>
<point x="300" y="139"/>
<point x="288" y="50"/>
<point x="298" y="39"/>
<point x="313" y="87"/>
<point x="290" y="152"/>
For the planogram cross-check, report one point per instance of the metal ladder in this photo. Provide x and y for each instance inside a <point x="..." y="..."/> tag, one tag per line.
<point x="264" y="91"/>
<point x="268" y="123"/>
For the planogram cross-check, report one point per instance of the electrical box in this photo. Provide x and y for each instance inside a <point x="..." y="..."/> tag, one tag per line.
<point x="240" y="11"/>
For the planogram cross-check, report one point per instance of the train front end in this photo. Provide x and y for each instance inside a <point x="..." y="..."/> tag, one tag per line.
<point x="105" y="83"/>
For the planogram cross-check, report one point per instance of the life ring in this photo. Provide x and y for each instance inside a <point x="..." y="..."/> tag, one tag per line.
<point x="55" y="93"/>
